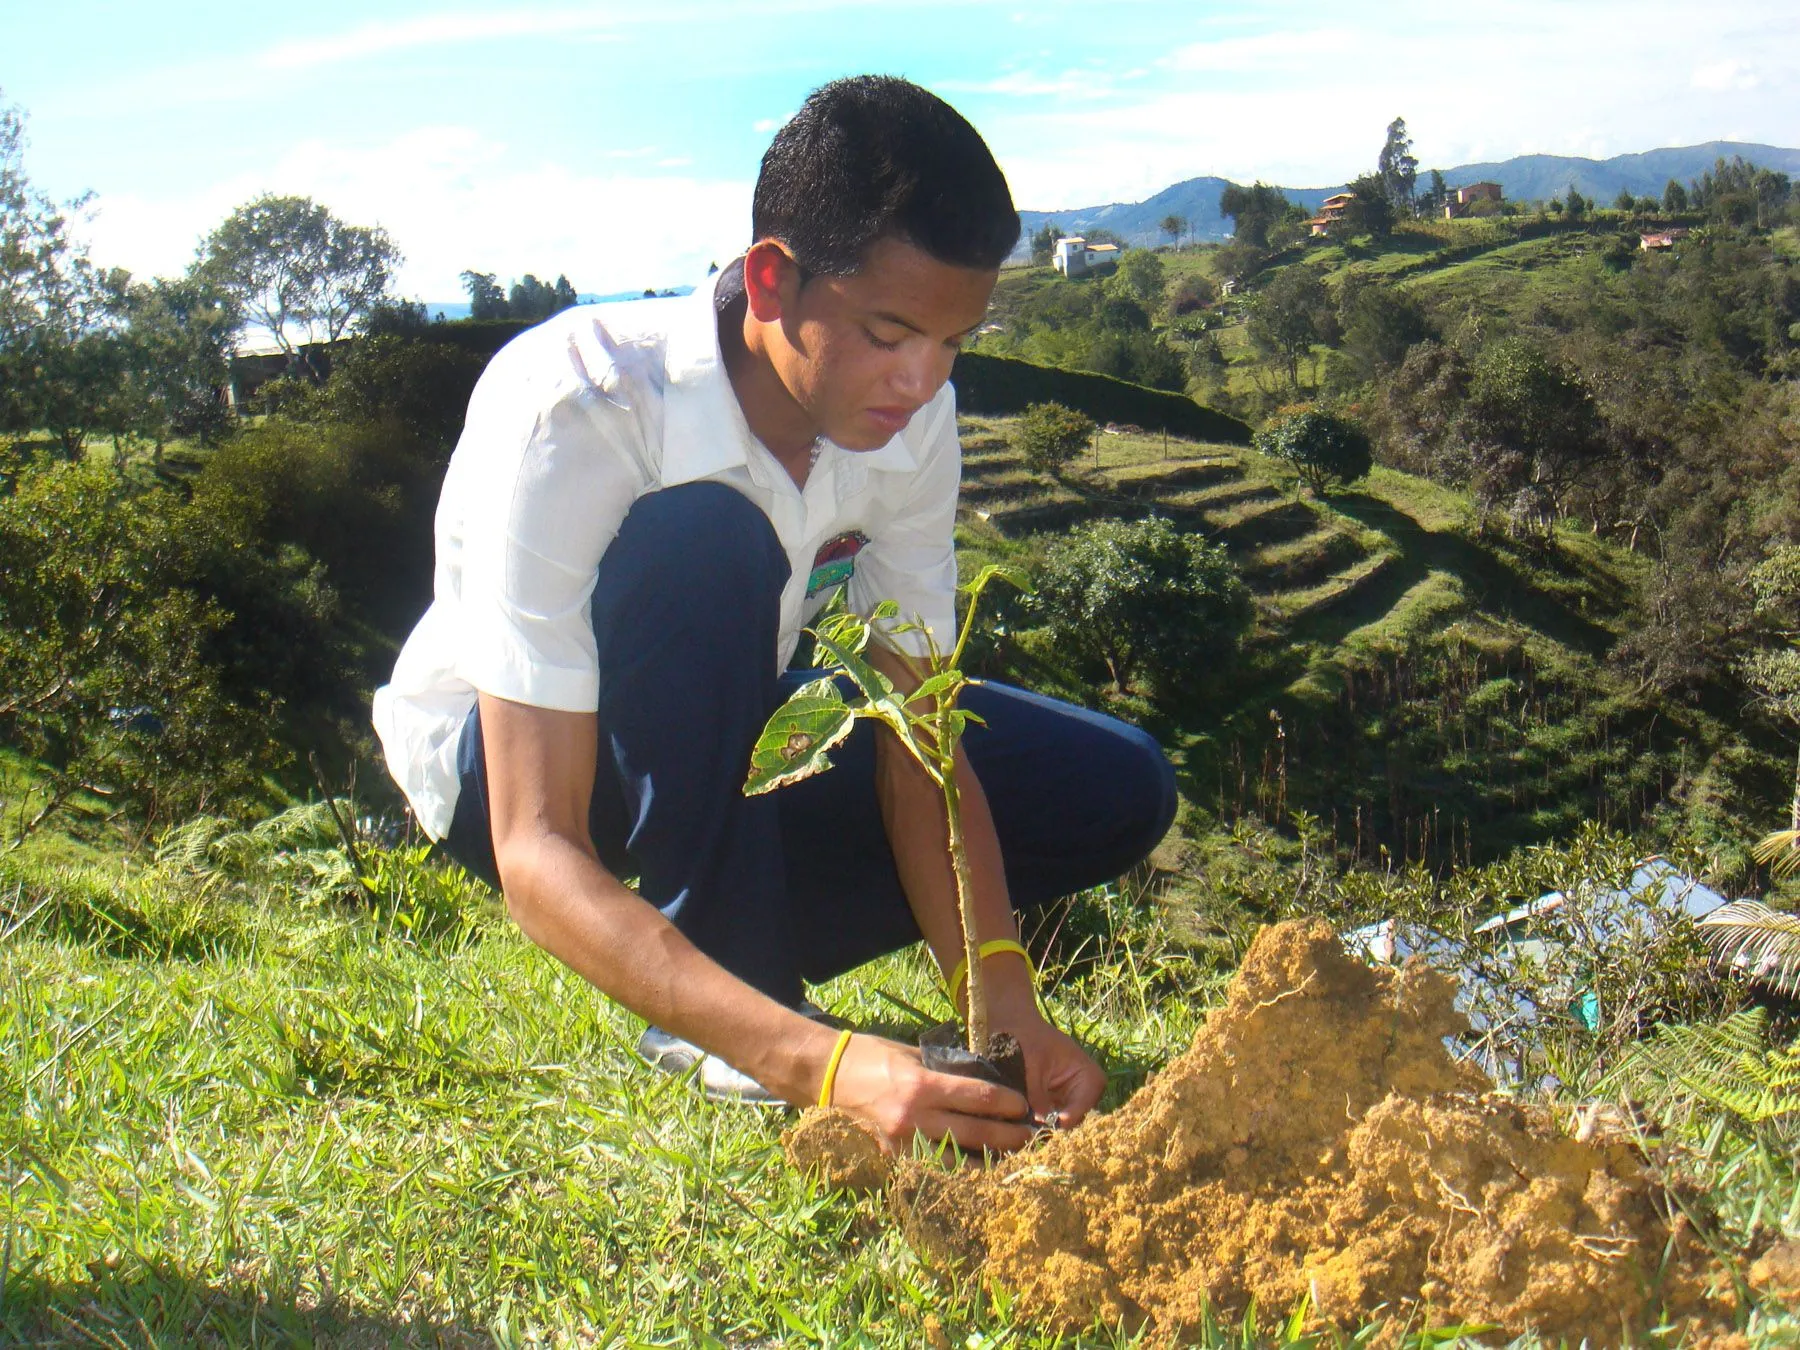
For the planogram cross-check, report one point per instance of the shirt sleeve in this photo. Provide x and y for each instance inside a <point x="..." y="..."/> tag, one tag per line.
<point x="551" y="479"/>
<point x="911" y="558"/>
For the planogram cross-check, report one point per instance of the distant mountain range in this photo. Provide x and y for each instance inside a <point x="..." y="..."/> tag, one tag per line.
<point x="1523" y="178"/>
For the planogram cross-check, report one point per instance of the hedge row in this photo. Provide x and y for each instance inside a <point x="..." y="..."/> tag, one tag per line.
<point x="484" y="337"/>
<point x="984" y="384"/>
<point x="999" y="384"/>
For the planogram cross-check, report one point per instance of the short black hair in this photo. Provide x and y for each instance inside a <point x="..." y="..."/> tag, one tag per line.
<point x="872" y="156"/>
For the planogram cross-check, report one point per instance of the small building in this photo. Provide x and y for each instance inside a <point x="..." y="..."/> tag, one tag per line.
<point x="1467" y="195"/>
<point x="1662" y="239"/>
<point x="1075" y="257"/>
<point x="1331" y="210"/>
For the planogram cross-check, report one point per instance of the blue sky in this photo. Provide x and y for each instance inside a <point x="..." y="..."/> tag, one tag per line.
<point x="618" y="142"/>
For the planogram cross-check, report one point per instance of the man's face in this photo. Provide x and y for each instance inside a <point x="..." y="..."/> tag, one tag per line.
<point x="861" y="354"/>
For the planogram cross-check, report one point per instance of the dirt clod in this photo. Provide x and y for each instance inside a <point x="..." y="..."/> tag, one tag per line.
<point x="846" y="1153"/>
<point x="1777" y="1273"/>
<point x="1318" y="1140"/>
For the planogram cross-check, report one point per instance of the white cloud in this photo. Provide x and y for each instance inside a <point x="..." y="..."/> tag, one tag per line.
<point x="1721" y="75"/>
<point x="454" y="199"/>
<point x="1296" y="95"/>
<point x="428" y="30"/>
<point x="1260" y="51"/>
<point x="1071" y="84"/>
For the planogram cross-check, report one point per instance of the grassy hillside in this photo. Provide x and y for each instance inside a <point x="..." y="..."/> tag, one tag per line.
<point x="1426" y="691"/>
<point x="239" y="1106"/>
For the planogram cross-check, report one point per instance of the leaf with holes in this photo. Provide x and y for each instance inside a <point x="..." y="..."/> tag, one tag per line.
<point x="793" y="743"/>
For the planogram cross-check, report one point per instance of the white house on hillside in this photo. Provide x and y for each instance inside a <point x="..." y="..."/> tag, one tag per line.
<point x="1075" y="257"/>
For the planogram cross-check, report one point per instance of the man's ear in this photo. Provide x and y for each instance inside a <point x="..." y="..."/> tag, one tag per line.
<point x="771" y="280"/>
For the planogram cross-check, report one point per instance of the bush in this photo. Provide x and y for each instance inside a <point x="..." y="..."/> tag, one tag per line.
<point x="999" y="385"/>
<point x="1050" y="435"/>
<point x="1142" y="598"/>
<point x="111" y="667"/>
<point x="1192" y="293"/>
<point x="1323" y="449"/>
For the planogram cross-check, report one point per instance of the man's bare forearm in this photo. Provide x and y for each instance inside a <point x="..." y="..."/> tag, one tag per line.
<point x="568" y="904"/>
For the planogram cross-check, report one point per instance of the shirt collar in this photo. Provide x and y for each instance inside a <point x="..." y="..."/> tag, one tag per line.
<point x="704" y="431"/>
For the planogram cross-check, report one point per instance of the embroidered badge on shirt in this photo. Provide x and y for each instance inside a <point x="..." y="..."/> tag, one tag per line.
<point x="835" y="562"/>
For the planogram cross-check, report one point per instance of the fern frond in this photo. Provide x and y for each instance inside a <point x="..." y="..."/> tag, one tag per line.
<point x="188" y="846"/>
<point x="1722" y="1067"/>
<point x="1763" y="943"/>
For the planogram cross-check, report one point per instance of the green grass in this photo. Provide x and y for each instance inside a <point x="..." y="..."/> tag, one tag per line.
<point x="251" y="1112"/>
<point x="269" y="1119"/>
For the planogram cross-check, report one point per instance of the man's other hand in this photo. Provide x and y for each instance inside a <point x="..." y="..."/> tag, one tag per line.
<point x="1060" y="1075"/>
<point x="887" y="1085"/>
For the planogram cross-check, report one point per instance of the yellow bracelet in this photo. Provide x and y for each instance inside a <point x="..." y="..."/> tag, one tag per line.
<point x="988" y="949"/>
<point x="837" y="1054"/>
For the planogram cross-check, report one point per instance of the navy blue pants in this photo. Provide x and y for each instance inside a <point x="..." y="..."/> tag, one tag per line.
<point x="799" y="884"/>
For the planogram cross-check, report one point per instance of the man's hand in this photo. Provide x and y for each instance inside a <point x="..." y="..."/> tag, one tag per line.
<point x="886" y="1084"/>
<point x="1060" y="1076"/>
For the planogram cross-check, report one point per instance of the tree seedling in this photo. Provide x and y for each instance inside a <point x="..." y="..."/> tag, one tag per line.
<point x="817" y="716"/>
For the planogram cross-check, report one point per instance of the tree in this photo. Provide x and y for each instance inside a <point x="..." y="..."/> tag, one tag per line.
<point x="1378" y="326"/>
<point x="563" y="296"/>
<point x="1396" y="167"/>
<point x="1049" y="435"/>
<point x="1369" y="211"/>
<point x="1325" y="450"/>
<point x="1575" y="206"/>
<point x="1174" y="226"/>
<point x="1143" y="599"/>
<point x="1625" y="201"/>
<point x="1532" y="428"/>
<point x="1437" y="194"/>
<point x="110" y="651"/>
<point x="1290" y="315"/>
<point x="1675" y="197"/>
<point x="1253" y="210"/>
<point x="1192" y="293"/>
<point x="177" y="342"/>
<point x="1043" y="242"/>
<point x="486" y="299"/>
<point x="59" y="352"/>
<point x="1772" y="669"/>
<point x="392" y="380"/>
<point x="1141" y="277"/>
<point x="295" y="269"/>
<point x="532" y="299"/>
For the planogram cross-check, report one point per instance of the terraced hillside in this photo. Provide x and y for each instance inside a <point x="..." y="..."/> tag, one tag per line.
<point x="1414" y="685"/>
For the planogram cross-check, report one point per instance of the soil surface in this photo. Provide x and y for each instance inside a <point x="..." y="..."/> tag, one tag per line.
<point x="1319" y="1141"/>
<point x="845" y="1153"/>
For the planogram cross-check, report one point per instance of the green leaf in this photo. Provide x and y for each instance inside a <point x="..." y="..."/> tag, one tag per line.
<point x="1016" y="576"/>
<point x="793" y="744"/>
<point x="936" y="685"/>
<point x="850" y="631"/>
<point x="874" y="685"/>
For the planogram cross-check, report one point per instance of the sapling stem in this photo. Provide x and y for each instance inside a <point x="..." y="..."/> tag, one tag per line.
<point x="817" y="716"/>
<point x="977" y="1019"/>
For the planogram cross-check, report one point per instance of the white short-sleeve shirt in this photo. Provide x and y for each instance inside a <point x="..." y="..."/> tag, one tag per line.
<point x="572" y="422"/>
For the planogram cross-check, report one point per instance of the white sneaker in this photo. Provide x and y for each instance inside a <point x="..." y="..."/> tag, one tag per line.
<point x="719" y="1082"/>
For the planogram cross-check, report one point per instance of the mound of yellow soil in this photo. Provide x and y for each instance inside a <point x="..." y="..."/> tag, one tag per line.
<point x="1318" y="1140"/>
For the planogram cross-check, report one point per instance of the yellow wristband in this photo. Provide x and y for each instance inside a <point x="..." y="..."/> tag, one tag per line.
<point x="988" y="949"/>
<point x="837" y="1054"/>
